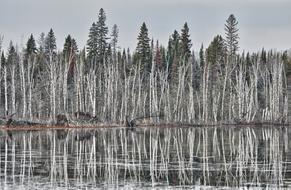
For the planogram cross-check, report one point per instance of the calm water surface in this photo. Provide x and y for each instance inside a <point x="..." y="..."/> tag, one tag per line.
<point x="152" y="158"/>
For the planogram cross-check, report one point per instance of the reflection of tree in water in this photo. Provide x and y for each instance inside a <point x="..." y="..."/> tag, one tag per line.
<point x="171" y="156"/>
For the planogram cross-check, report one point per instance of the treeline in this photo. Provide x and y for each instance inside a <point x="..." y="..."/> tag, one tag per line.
<point x="219" y="84"/>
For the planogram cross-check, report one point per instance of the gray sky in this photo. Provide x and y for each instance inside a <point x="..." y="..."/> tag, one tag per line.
<point x="262" y="23"/>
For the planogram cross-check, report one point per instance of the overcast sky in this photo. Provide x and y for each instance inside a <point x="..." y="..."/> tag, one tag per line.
<point x="262" y="23"/>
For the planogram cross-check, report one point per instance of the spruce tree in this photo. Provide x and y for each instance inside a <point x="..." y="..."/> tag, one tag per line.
<point x="114" y="38"/>
<point x="215" y="51"/>
<point x="101" y="36"/>
<point x="173" y="53"/>
<point x="231" y="40"/>
<point x="92" y="42"/>
<point x="70" y="47"/>
<point x="185" y="42"/>
<point x="12" y="57"/>
<point x="50" y="44"/>
<point x="158" y="57"/>
<point x="175" y="45"/>
<point x="143" y="48"/>
<point x="30" y="46"/>
<point x="70" y="53"/>
<point x="97" y="42"/>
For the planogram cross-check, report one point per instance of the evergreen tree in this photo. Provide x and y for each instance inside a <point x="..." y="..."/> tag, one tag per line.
<point x="70" y="47"/>
<point x="92" y="41"/>
<point x="158" y="57"/>
<point x="173" y="53"/>
<point x="185" y="42"/>
<point x="97" y="42"/>
<point x="114" y="40"/>
<point x="201" y="57"/>
<point x="215" y="51"/>
<point x="12" y="57"/>
<point x="175" y="45"/>
<point x="101" y="36"/>
<point x="50" y="44"/>
<point x="143" y="48"/>
<point x="108" y="55"/>
<point x="70" y="51"/>
<point x="231" y="32"/>
<point x="30" y="46"/>
<point x="41" y="43"/>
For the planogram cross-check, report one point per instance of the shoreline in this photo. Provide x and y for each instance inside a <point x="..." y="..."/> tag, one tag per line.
<point x="159" y="125"/>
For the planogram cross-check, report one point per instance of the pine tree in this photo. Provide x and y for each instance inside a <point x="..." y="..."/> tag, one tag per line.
<point x="185" y="42"/>
<point x="143" y="48"/>
<point x="231" y="41"/>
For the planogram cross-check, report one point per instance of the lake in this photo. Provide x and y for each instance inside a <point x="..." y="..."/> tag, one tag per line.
<point x="146" y="157"/>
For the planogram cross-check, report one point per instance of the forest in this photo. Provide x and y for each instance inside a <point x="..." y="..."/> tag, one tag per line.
<point x="218" y="84"/>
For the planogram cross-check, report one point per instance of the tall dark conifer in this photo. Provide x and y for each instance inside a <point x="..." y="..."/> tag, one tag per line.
<point x="143" y="48"/>
<point x="231" y="39"/>
<point x="92" y="41"/>
<point x="215" y="51"/>
<point x="185" y="42"/>
<point x="50" y="44"/>
<point x="101" y="36"/>
<point x="30" y="46"/>
<point x="12" y="57"/>
<point x="97" y="42"/>
<point x="70" y="47"/>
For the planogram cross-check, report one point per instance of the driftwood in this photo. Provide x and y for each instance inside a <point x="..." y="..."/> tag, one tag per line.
<point x="61" y="120"/>
<point x="131" y="123"/>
